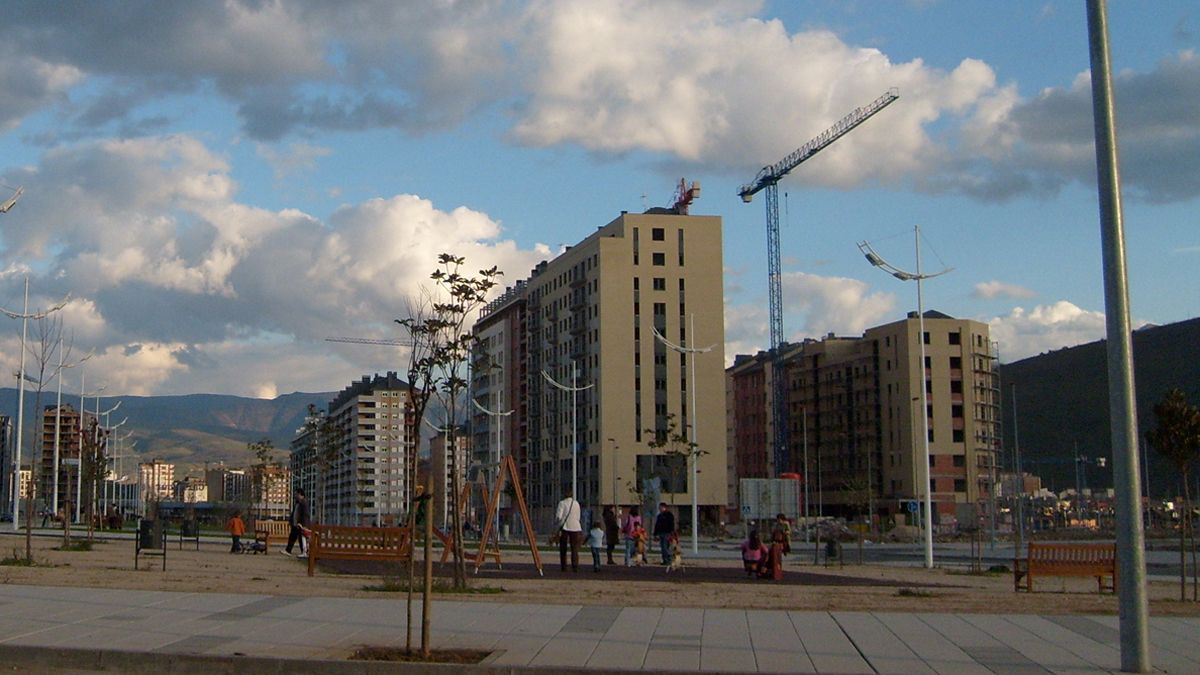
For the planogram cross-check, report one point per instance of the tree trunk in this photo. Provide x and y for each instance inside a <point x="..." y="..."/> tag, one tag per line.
<point x="28" y="518"/>
<point x="1191" y="531"/>
<point x="1183" y="550"/>
<point x="427" y="600"/>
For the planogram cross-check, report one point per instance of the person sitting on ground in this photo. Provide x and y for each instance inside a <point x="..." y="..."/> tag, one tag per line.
<point x="754" y="552"/>
<point x="236" y="529"/>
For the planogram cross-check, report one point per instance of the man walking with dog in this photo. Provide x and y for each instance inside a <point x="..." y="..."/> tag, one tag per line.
<point x="664" y="528"/>
<point x="567" y="518"/>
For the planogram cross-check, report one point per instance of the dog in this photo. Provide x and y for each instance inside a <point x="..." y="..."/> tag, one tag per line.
<point x="676" y="557"/>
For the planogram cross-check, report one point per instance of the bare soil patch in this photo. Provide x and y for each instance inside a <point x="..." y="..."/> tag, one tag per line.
<point x="703" y="583"/>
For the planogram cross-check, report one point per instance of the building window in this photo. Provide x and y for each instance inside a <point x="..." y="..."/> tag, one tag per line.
<point x="660" y="284"/>
<point x="926" y="337"/>
<point x="956" y="338"/>
<point x="960" y="485"/>
<point x="960" y="461"/>
<point x="660" y="259"/>
<point x="681" y="247"/>
<point x="958" y="436"/>
<point x="635" y="246"/>
<point x="956" y="363"/>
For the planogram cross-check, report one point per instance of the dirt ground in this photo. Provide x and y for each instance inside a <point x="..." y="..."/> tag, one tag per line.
<point x="704" y="583"/>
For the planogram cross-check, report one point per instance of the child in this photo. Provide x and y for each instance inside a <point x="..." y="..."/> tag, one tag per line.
<point x="596" y="542"/>
<point x="640" y="536"/>
<point x="236" y="529"/>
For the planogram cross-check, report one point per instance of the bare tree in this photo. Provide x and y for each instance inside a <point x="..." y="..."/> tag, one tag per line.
<point x="48" y="351"/>
<point x="439" y="329"/>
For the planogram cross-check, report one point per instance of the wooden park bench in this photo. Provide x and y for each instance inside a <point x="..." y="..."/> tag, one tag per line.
<point x="340" y="542"/>
<point x="268" y="531"/>
<point x="1067" y="560"/>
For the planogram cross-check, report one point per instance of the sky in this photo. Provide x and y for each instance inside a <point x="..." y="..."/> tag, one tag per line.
<point x="220" y="186"/>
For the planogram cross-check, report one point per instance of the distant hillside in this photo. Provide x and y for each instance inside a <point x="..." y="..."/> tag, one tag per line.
<point x="191" y="429"/>
<point x="1062" y="400"/>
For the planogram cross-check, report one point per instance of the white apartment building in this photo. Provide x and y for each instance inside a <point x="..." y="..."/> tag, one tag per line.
<point x="351" y="461"/>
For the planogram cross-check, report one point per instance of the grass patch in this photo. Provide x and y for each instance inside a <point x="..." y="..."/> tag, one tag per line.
<point x="18" y="559"/>
<point x="439" y="586"/>
<point x="913" y="593"/>
<point x="457" y="656"/>
<point x="79" y="545"/>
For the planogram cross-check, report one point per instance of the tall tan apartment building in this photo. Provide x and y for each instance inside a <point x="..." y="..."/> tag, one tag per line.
<point x="855" y="421"/>
<point x="572" y="351"/>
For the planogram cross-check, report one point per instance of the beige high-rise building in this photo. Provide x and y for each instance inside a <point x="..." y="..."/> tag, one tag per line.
<point x="352" y="461"/>
<point x="156" y="480"/>
<point x="855" y="422"/>
<point x="581" y="367"/>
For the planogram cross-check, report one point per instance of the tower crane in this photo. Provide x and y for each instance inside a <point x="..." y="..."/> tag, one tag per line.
<point x="388" y="342"/>
<point x="768" y="179"/>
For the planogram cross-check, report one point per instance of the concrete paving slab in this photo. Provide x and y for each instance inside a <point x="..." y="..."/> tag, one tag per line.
<point x="939" y="654"/>
<point x="828" y="648"/>
<point x="1009" y="632"/>
<point x="878" y="645"/>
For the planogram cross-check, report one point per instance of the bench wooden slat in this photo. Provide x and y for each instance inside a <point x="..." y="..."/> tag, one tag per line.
<point x="342" y="542"/>
<point x="1067" y="560"/>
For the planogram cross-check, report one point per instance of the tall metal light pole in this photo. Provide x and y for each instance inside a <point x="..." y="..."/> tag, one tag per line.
<point x="574" y="389"/>
<point x="694" y="450"/>
<point x="82" y="412"/>
<point x="875" y="259"/>
<point x="24" y="316"/>
<point x="492" y="415"/>
<point x="807" y="477"/>
<point x="1122" y="404"/>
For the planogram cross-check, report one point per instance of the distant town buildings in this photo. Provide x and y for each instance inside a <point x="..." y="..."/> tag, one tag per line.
<point x="61" y="425"/>
<point x="227" y="485"/>
<point x="191" y="490"/>
<point x="270" y="491"/>
<point x="572" y="351"/>
<point x="351" y="460"/>
<point x="156" y="480"/>
<point x="854" y="418"/>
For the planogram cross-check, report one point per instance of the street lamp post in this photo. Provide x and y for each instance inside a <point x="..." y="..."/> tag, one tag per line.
<point x="574" y="389"/>
<point x="24" y="316"/>
<point x="492" y="415"/>
<point x="694" y="450"/>
<point x="876" y="260"/>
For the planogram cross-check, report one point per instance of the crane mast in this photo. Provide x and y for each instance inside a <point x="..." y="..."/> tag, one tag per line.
<point x="768" y="180"/>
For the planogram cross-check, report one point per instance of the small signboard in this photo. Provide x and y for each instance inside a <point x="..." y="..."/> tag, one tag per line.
<point x="914" y="506"/>
<point x="763" y="498"/>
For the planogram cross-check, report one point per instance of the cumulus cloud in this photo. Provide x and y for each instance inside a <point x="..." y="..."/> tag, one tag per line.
<point x="1040" y="144"/>
<point x="172" y="276"/>
<point x="838" y="305"/>
<point x="1023" y="333"/>
<point x="702" y="96"/>
<point x="818" y="305"/>
<point x="987" y="290"/>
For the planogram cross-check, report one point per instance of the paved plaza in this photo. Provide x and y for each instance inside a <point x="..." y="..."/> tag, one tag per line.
<point x="54" y="628"/>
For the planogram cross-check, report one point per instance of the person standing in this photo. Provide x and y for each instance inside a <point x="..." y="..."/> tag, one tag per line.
<point x="299" y="522"/>
<point x="612" y="531"/>
<point x="237" y="529"/>
<point x="664" y="528"/>
<point x="596" y="542"/>
<point x="629" y="528"/>
<point x="567" y="519"/>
